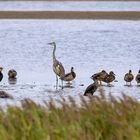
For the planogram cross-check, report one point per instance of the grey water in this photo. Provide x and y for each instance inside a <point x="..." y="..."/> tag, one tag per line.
<point x="69" y="6"/>
<point x="88" y="45"/>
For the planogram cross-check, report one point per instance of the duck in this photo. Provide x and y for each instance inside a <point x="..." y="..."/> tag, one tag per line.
<point x="99" y="76"/>
<point x="138" y="77"/>
<point x="91" y="88"/>
<point x="69" y="76"/>
<point x="109" y="78"/>
<point x="12" y="74"/>
<point x="1" y="74"/>
<point x="4" y="94"/>
<point x="128" y="77"/>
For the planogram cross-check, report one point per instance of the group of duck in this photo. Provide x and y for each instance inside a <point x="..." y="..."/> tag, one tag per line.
<point x="100" y="77"/>
<point x="103" y="76"/>
<point x="59" y="70"/>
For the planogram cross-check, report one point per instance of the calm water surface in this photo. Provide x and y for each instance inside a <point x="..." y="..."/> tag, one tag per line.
<point x="87" y="45"/>
<point x="71" y="6"/>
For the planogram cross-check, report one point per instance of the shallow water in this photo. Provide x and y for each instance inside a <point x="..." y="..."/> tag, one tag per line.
<point x="70" y="6"/>
<point x="87" y="45"/>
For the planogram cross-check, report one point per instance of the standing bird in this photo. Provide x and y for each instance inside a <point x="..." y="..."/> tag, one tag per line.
<point x="128" y="77"/>
<point x="12" y="76"/>
<point x="138" y="77"/>
<point x="109" y="78"/>
<point x="1" y="75"/>
<point x="99" y="76"/>
<point x="57" y="66"/>
<point x="69" y="76"/>
<point x="91" y="88"/>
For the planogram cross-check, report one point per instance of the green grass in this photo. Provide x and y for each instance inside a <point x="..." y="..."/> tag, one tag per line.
<point x="95" y="119"/>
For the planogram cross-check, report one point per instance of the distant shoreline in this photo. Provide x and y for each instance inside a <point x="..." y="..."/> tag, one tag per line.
<point x="122" y="15"/>
<point x="73" y="0"/>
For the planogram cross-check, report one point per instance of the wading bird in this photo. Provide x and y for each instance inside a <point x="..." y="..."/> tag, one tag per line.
<point x="1" y="75"/>
<point x="91" y="88"/>
<point x="128" y="77"/>
<point x="109" y="78"/>
<point x="12" y="76"/>
<point x="99" y="76"/>
<point x="57" y="66"/>
<point x="138" y="77"/>
<point x="69" y="76"/>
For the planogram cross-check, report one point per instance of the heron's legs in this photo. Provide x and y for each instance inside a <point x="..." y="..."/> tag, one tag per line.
<point x="56" y="81"/>
<point x="62" y="83"/>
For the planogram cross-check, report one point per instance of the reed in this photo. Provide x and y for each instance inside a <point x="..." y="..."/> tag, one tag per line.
<point x="96" y="118"/>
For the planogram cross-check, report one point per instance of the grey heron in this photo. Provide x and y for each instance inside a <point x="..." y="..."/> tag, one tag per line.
<point x="57" y="66"/>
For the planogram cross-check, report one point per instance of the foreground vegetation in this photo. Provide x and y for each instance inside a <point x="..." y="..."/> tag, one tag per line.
<point x="94" y="119"/>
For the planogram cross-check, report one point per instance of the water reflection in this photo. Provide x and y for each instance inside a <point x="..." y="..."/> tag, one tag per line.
<point x="12" y="81"/>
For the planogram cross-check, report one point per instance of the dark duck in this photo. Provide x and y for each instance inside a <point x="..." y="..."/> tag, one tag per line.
<point x="91" y="88"/>
<point x="1" y="74"/>
<point x="138" y="77"/>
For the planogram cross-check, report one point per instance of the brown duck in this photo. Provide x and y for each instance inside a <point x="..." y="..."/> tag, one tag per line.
<point x="138" y="77"/>
<point x="109" y="78"/>
<point x="128" y="77"/>
<point x="99" y="76"/>
<point x="12" y="74"/>
<point x="69" y="76"/>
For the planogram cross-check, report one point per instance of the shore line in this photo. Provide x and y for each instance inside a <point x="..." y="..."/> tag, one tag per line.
<point x="124" y="15"/>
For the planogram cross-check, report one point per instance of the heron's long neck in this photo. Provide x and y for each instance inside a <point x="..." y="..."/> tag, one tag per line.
<point x="54" y="58"/>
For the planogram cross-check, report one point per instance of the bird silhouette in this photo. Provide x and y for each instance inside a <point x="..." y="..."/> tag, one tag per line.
<point x="128" y="77"/>
<point x="57" y="66"/>
<point x="1" y="74"/>
<point x="69" y="76"/>
<point x="138" y="77"/>
<point x="91" y="88"/>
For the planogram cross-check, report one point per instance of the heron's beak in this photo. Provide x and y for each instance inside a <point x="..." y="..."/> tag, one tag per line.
<point x="50" y="43"/>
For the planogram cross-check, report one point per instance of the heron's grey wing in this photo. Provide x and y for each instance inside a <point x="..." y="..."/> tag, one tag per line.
<point x="62" y="70"/>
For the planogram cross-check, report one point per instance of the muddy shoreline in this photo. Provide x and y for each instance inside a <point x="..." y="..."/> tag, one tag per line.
<point x="124" y="15"/>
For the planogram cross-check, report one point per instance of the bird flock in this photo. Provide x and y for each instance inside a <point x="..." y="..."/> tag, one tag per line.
<point x="59" y="71"/>
<point x="98" y="78"/>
